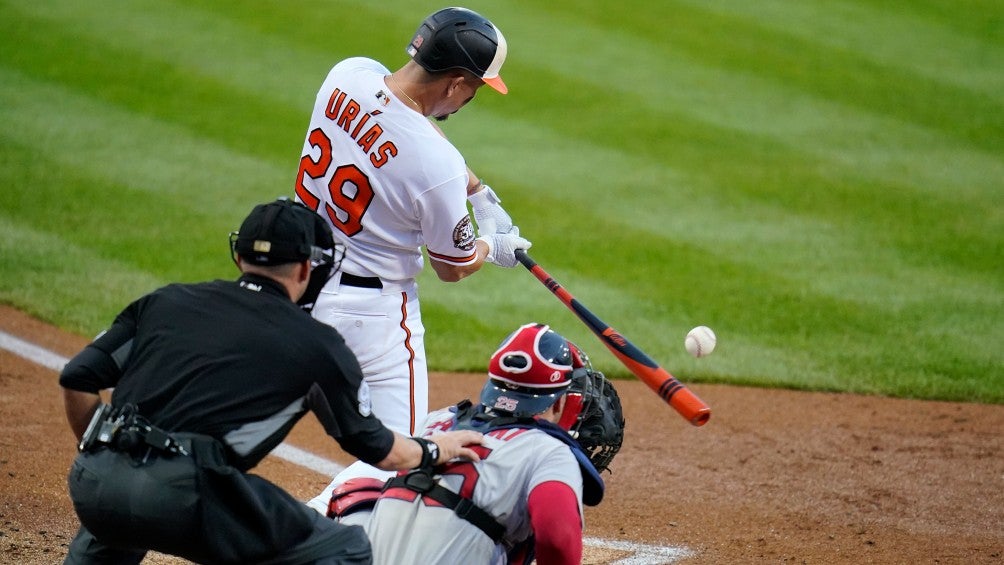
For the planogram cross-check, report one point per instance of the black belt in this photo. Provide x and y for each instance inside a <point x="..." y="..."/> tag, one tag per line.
<point x="123" y="429"/>
<point x="361" y="282"/>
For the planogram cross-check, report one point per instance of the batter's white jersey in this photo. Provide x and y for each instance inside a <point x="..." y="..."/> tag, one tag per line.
<point x="389" y="183"/>
<point x="383" y="176"/>
<point x="406" y="529"/>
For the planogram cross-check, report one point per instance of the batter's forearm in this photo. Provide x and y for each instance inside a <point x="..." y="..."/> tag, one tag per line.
<point x="453" y="273"/>
<point x="473" y="182"/>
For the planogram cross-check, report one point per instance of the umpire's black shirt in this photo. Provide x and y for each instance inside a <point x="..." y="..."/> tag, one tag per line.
<point x="238" y="361"/>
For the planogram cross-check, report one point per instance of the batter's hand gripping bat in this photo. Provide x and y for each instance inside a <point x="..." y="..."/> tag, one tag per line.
<point x="658" y="379"/>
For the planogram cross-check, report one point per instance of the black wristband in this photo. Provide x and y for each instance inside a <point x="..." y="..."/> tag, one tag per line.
<point x="430" y="453"/>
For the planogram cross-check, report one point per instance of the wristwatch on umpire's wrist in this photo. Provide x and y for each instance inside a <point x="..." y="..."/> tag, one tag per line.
<point x="430" y="452"/>
<point x="433" y="449"/>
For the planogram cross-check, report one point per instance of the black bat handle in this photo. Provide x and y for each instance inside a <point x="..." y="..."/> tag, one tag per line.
<point x="523" y="257"/>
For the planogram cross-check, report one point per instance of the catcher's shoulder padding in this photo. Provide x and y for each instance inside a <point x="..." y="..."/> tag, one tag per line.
<point x="360" y="493"/>
<point x="473" y="417"/>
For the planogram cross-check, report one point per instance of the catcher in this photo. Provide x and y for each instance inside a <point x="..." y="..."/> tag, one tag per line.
<point x="551" y="424"/>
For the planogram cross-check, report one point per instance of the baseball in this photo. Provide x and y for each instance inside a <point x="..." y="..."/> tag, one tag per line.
<point x="700" y="341"/>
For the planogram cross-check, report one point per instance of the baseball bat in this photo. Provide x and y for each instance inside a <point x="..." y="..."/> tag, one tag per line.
<point x="685" y="402"/>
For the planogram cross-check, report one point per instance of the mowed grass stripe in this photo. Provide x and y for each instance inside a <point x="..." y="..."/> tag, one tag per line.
<point x="904" y="156"/>
<point x="959" y="45"/>
<point x="683" y="74"/>
<point x="155" y="233"/>
<point x="146" y="153"/>
<point x="320" y="34"/>
<point x="79" y="275"/>
<point x="735" y="44"/>
<point x="201" y="43"/>
<point x="117" y="64"/>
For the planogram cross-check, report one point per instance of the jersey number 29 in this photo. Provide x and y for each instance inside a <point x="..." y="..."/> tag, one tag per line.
<point x="349" y="190"/>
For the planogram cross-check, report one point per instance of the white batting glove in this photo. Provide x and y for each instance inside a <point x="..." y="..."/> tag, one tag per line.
<point x="502" y="247"/>
<point x="491" y="217"/>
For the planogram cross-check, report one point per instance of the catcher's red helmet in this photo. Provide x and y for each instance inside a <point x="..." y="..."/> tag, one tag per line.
<point x="530" y="370"/>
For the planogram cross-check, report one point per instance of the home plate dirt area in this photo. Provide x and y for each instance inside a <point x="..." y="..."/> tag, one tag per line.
<point x="776" y="476"/>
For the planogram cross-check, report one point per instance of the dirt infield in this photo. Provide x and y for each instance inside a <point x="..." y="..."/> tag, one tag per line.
<point x="774" y="477"/>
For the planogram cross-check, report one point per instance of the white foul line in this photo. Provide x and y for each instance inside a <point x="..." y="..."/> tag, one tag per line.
<point x="32" y="352"/>
<point x="641" y="554"/>
<point x="307" y="459"/>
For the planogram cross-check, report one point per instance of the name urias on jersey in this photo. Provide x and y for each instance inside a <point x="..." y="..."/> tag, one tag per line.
<point x="344" y="112"/>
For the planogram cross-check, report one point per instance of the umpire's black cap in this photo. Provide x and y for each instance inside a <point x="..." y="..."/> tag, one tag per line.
<point x="280" y="232"/>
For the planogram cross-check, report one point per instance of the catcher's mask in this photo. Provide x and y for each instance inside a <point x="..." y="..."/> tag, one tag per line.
<point x="530" y="370"/>
<point x="593" y="416"/>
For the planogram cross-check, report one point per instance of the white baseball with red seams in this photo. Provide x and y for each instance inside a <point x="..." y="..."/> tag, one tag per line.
<point x="700" y="341"/>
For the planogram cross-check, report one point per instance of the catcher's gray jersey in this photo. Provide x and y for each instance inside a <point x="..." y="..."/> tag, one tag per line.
<point x="404" y="528"/>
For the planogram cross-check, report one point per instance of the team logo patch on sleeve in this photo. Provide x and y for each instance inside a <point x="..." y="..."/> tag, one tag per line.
<point x="463" y="234"/>
<point x="363" y="397"/>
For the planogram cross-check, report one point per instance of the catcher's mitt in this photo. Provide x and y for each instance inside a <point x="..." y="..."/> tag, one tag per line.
<point x="599" y="428"/>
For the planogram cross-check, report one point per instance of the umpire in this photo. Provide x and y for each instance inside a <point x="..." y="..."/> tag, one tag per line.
<point x="208" y="378"/>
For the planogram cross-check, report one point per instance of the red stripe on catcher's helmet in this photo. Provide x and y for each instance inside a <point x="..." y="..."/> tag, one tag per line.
<point x="533" y="356"/>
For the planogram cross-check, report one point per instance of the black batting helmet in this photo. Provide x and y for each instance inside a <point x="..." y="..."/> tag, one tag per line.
<point x="458" y="38"/>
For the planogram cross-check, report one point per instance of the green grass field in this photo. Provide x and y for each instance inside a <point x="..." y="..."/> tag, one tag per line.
<point x="821" y="182"/>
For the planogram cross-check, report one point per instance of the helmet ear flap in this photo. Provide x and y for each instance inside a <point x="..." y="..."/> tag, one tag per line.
<point x="579" y="357"/>
<point x="571" y="412"/>
<point x="577" y="400"/>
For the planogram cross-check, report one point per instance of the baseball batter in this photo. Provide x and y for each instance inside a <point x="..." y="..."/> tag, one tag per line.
<point x="389" y="182"/>
<point x="523" y="499"/>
